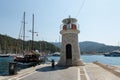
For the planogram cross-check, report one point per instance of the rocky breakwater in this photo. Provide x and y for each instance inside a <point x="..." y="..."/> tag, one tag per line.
<point x="113" y="69"/>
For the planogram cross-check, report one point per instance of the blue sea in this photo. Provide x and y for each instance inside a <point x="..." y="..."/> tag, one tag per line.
<point x="4" y="65"/>
<point x="4" y="61"/>
<point x="99" y="58"/>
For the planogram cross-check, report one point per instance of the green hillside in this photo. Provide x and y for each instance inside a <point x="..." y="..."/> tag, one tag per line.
<point x="12" y="45"/>
<point x="89" y="47"/>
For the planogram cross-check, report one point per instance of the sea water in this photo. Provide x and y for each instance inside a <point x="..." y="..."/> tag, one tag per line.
<point x="93" y="58"/>
<point x="4" y="65"/>
<point x="4" y="61"/>
<point x="102" y="59"/>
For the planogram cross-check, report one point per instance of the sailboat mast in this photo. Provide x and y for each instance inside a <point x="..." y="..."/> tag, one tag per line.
<point x="24" y="31"/>
<point x="33" y="32"/>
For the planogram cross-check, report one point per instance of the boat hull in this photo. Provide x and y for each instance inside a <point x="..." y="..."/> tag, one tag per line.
<point x="113" y="54"/>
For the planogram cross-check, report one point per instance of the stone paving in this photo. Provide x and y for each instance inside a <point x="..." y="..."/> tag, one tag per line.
<point x="57" y="73"/>
<point x="96" y="72"/>
<point x="45" y="72"/>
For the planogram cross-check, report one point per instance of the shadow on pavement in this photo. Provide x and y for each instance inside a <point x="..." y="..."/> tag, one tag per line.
<point x="49" y="68"/>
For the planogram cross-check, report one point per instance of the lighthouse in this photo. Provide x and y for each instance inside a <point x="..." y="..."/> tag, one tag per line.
<point x="70" y="50"/>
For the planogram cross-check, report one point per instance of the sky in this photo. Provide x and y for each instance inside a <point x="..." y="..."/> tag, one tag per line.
<point x="99" y="20"/>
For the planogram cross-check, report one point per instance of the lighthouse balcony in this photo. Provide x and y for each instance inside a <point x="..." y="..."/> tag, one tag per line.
<point x="76" y="31"/>
<point x="69" y="27"/>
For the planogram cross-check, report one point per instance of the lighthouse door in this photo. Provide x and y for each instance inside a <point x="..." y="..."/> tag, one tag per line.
<point x="68" y="54"/>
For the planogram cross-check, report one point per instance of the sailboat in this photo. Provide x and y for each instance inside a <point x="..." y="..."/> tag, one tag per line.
<point x="30" y="57"/>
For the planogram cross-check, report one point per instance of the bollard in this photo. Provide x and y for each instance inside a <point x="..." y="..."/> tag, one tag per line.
<point x="12" y="68"/>
<point x="53" y="63"/>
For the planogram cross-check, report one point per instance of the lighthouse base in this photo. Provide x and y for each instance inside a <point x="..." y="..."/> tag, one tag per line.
<point x="73" y="63"/>
<point x="78" y="63"/>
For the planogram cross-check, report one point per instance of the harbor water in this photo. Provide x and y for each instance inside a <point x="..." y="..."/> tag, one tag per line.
<point x="4" y="61"/>
<point x="4" y="65"/>
<point x="99" y="58"/>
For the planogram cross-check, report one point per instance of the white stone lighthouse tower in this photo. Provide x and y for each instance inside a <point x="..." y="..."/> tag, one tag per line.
<point x="70" y="51"/>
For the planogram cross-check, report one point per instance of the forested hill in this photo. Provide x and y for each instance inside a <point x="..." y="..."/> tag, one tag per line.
<point x="89" y="46"/>
<point x="93" y="47"/>
<point x="12" y="45"/>
<point x="9" y="44"/>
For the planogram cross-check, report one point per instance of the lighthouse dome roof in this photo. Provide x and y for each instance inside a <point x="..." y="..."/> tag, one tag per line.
<point x="69" y="20"/>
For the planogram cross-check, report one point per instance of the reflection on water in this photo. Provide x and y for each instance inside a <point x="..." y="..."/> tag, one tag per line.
<point x="4" y="65"/>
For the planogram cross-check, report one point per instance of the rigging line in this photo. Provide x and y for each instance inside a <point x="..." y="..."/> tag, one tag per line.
<point x="80" y="8"/>
<point x="20" y="32"/>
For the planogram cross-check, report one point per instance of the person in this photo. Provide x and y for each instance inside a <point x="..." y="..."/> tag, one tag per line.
<point x="53" y="63"/>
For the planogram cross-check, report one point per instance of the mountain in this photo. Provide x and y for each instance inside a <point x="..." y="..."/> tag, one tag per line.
<point x="12" y="45"/>
<point x="90" y="47"/>
<point x="9" y="44"/>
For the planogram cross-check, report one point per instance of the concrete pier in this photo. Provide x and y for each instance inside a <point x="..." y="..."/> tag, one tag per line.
<point x="90" y="71"/>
